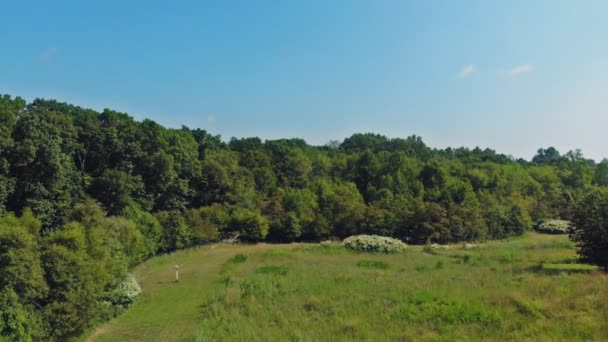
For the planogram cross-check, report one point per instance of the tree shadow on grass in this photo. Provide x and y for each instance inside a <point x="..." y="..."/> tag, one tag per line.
<point x="167" y="282"/>
<point x="556" y="269"/>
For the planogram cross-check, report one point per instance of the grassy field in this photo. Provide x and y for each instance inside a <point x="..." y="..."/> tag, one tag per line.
<point x="526" y="288"/>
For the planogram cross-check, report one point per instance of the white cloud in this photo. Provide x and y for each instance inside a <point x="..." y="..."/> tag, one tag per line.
<point x="467" y="71"/>
<point x="48" y="54"/>
<point x="521" y="69"/>
<point x="211" y="119"/>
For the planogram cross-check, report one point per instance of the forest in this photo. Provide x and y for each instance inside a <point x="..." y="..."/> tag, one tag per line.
<point x="87" y="195"/>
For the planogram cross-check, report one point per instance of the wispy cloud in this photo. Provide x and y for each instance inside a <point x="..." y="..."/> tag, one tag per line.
<point x="211" y="119"/>
<point x="467" y="71"/>
<point x="521" y="69"/>
<point x="48" y="54"/>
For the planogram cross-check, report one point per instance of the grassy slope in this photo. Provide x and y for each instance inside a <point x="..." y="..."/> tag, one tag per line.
<point x="498" y="291"/>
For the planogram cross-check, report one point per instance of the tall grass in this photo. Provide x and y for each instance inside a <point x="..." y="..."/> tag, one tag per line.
<point x="496" y="291"/>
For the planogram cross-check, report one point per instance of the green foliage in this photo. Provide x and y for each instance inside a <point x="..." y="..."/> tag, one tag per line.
<point x="65" y="169"/>
<point x="239" y="258"/>
<point x="124" y="294"/>
<point x="149" y="226"/>
<point x="176" y="234"/>
<point x="14" y="320"/>
<point x="71" y="306"/>
<point x="131" y="241"/>
<point x="9" y="111"/>
<point x="20" y="267"/>
<point x="590" y="220"/>
<point x="117" y="190"/>
<point x="249" y="224"/>
<point x="374" y="244"/>
<point x="206" y="223"/>
<point x="53" y="153"/>
<point x="47" y="181"/>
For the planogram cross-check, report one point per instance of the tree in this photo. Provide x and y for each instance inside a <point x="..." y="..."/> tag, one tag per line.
<point x="9" y="111"/>
<point x="14" y="321"/>
<point x="176" y="234"/>
<point x="117" y="190"/>
<point x="204" y="140"/>
<point x="20" y="268"/>
<point x="366" y="172"/>
<point x="74" y="283"/>
<point x="600" y="176"/>
<point x="549" y="156"/>
<point x="223" y="180"/>
<point x="362" y="142"/>
<point x="342" y="205"/>
<point x="250" y="224"/>
<point x="48" y="182"/>
<point x="590" y="220"/>
<point x="429" y="223"/>
<point x="130" y="240"/>
<point x="148" y="225"/>
<point x="206" y="223"/>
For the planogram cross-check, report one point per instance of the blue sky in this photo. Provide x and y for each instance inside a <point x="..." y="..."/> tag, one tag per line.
<point x="511" y="75"/>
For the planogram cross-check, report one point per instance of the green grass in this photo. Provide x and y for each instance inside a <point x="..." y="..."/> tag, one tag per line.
<point x="526" y="288"/>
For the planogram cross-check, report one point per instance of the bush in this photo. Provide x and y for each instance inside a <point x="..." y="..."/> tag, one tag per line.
<point x="326" y="243"/>
<point x="239" y="258"/>
<point x="250" y="224"/>
<point x="125" y="292"/>
<point x="553" y="226"/>
<point x="118" y="299"/>
<point x="374" y="244"/>
<point x="590" y="218"/>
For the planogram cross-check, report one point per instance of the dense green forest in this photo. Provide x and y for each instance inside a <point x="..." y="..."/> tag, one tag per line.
<point x="86" y="195"/>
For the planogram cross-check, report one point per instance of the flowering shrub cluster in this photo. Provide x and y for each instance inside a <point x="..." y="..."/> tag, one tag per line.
<point x="327" y="243"/>
<point x="125" y="293"/>
<point x="374" y="244"/>
<point x="119" y="298"/>
<point x="553" y="226"/>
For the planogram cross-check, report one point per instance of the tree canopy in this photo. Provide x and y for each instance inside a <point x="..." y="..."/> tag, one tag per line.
<point x="86" y="195"/>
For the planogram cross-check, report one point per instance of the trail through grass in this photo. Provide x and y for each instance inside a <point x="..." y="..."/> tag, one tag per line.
<point x="524" y="288"/>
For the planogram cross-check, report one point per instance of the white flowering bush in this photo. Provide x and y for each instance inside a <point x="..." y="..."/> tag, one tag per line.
<point x="374" y="244"/>
<point x="327" y="243"/>
<point x="553" y="226"/>
<point x="119" y="298"/>
<point x="124" y="294"/>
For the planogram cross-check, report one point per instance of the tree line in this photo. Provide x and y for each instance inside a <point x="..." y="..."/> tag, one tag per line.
<point x="86" y="195"/>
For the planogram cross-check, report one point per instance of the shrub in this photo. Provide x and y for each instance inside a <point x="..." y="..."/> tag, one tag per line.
<point x="239" y="258"/>
<point x="590" y="218"/>
<point x="553" y="226"/>
<point x="429" y="249"/>
<point x="14" y="324"/>
<point x="119" y="298"/>
<point x="250" y="224"/>
<point x="374" y="244"/>
<point x="326" y="244"/>
<point x="126" y="291"/>
<point x="232" y="262"/>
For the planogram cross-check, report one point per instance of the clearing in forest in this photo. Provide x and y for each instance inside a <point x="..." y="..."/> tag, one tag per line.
<point x="523" y="288"/>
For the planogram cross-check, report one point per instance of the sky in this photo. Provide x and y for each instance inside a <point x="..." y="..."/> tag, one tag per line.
<point x="514" y="76"/>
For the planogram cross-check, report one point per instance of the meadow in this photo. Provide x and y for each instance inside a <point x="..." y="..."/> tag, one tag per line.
<point x="524" y="288"/>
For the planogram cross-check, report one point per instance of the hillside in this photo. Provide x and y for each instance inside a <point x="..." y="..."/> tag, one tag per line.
<point x="522" y="288"/>
<point x="86" y="196"/>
